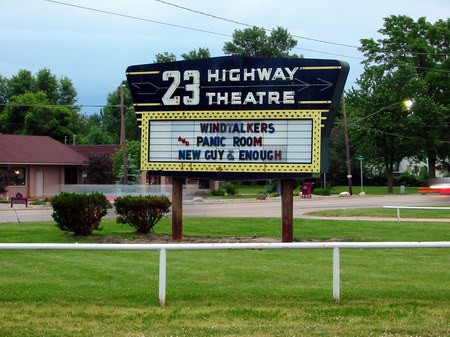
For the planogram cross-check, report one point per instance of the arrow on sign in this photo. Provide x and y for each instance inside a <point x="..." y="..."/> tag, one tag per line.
<point x="146" y="88"/>
<point x="326" y="85"/>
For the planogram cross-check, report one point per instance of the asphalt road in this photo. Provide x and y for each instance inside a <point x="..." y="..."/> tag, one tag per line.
<point x="253" y="208"/>
<point x="272" y="208"/>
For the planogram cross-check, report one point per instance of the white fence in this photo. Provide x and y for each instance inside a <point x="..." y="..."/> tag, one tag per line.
<point x="336" y="246"/>
<point x="119" y="190"/>
<point x="398" y="208"/>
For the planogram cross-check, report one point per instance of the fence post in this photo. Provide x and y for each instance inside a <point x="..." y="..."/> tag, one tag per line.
<point x="162" y="277"/>
<point x="336" y="276"/>
<point x="398" y="214"/>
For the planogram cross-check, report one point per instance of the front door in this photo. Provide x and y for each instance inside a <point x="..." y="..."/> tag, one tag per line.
<point x="39" y="184"/>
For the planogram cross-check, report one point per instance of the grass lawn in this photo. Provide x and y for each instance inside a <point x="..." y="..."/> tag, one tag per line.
<point x="373" y="190"/>
<point x="381" y="212"/>
<point x="228" y="293"/>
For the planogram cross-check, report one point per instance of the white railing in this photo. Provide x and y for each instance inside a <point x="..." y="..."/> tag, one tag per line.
<point x="398" y="208"/>
<point x="336" y="246"/>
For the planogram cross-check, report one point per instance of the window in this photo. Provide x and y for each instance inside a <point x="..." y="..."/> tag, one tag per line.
<point x="17" y="176"/>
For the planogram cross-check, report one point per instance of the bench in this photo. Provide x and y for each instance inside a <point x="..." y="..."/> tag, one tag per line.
<point x="19" y="199"/>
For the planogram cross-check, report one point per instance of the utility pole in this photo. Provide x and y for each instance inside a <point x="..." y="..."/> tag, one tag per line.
<point x="347" y="147"/>
<point x="122" y="138"/>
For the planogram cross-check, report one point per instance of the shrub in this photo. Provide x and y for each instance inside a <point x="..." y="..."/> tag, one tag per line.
<point x="142" y="212"/>
<point x="220" y="192"/>
<point x="79" y="213"/>
<point x="261" y="196"/>
<point x="271" y="186"/>
<point x="230" y="188"/>
<point x="322" y="191"/>
<point x="407" y="179"/>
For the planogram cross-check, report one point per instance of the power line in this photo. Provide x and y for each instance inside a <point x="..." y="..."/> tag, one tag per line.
<point x="390" y="133"/>
<point x="72" y="106"/>
<point x="297" y="36"/>
<point x="173" y="25"/>
<point x="202" y="30"/>
<point x="248" y="25"/>
<point x="136" y="18"/>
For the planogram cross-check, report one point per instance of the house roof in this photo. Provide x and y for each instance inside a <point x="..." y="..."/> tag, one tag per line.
<point x="86" y="150"/>
<point x="40" y="150"/>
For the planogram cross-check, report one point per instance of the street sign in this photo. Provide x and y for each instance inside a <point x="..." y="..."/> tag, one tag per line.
<point x="360" y="158"/>
<point x="236" y="116"/>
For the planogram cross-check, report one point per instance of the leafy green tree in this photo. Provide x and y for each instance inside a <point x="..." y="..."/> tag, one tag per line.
<point x="165" y="57"/>
<point x="21" y="83"/>
<point x="3" y="93"/>
<point x="255" y="42"/>
<point x="111" y="116"/>
<point x="380" y="127"/>
<point x="31" y="114"/>
<point x="133" y="161"/>
<point x="30" y="105"/>
<point x="67" y="94"/>
<point x="195" y="54"/>
<point x="46" y="82"/>
<point x="201" y="53"/>
<point x="423" y="47"/>
<point x="92" y="131"/>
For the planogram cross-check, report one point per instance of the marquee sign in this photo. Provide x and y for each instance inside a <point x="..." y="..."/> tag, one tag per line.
<point x="236" y="116"/>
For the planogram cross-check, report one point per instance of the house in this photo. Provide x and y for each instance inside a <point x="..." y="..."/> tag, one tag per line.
<point x="40" y="165"/>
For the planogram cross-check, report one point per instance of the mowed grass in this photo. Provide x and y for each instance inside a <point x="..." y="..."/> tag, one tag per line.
<point x="382" y="212"/>
<point x="374" y="190"/>
<point x="228" y="293"/>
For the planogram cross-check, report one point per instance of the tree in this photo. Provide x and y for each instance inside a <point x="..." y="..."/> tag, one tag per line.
<point x="255" y="42"/>
<point x="165" y="57"/>
<point x="21" y="83"/>
<point x="195" y="54"/>
<point x="30" y="105"/>
<point x="100" y="169"/>
<point x="3" y="93"/>
<point x="111" y="116"/>
<point x="201" y="53"/>
<point x="380" y="125"/>
<point x="92" y="130"/>
<point x="133" y="161"/>
<point x="67" y="94"/>
<point x="424" y="48"/>
<point x="5" y="176"/>
<point x="31" y="114"/>
<point x="46" y="82"/>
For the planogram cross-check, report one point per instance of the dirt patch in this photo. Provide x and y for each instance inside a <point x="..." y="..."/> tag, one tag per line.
<point x="194" y="239"/>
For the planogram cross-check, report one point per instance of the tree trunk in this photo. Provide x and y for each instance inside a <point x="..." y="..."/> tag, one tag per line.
<point x="390" y="181"/>
<point x="432" y="166"/>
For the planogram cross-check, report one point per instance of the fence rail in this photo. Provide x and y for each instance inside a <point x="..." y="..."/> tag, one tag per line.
<point x="398" y="208"/>
<point x="163" y="248"/>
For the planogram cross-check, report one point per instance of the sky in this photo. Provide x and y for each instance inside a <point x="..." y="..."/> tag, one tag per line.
<point x="94" y="49"/>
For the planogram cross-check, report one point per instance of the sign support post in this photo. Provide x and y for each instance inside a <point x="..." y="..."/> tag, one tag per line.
<point x="287" y="210"/>
<point x="177" y="209"/>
